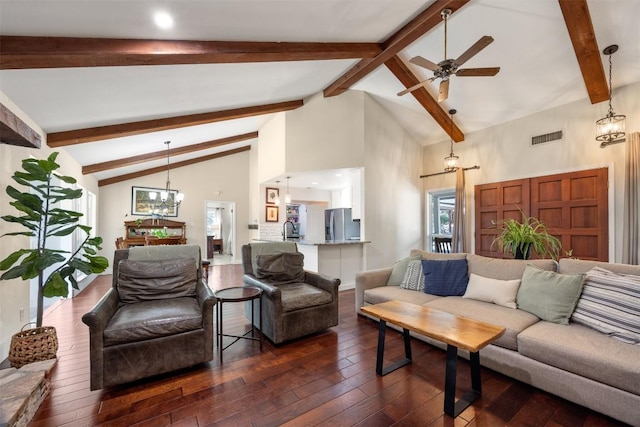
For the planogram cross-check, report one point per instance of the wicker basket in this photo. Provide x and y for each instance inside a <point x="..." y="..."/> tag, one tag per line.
<point x="33" y="345"/>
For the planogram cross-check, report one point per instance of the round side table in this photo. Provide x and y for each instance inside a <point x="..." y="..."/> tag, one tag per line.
<point x="238" y="294"/>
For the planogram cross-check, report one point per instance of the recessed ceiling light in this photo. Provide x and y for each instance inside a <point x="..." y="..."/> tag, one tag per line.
<point x="314" y="183"/>
<point x="338" y="174"/>
<point x="163" y="20"/>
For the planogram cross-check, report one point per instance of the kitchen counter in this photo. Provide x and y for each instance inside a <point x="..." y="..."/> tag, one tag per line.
<point x="330" y="242"/>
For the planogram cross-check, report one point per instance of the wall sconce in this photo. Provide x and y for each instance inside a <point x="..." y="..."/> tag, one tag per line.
<point x="610" y="128"/>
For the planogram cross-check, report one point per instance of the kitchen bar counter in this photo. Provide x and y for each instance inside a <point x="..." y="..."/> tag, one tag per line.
<point x="330" y="242"/>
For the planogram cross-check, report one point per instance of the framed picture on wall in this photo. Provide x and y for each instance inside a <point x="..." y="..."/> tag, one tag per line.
<point x="272" y="195"/>
<point x="141" y="203"/>
<point x="272" y="213"/>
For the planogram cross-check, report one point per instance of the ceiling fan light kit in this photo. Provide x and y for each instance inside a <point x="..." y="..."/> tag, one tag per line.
<point x="611" y="128"/>
<point x="450" y="67"/>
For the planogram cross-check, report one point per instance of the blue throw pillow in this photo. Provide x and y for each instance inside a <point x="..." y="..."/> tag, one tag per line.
<point x="445" y="278"/>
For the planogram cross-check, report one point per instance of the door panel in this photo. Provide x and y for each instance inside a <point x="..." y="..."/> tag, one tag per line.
<point x="573" y="205"/>
<point x="495" y="202"/>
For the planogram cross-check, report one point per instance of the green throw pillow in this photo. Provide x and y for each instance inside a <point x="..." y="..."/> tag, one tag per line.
<point x="399" y="269"/>
<point x="549" y="295"/>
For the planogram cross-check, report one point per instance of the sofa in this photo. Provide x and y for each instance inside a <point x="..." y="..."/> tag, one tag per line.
<point x="576" y="361"/>
<point x="295" y="302"/>
<point x="156" y="318"/>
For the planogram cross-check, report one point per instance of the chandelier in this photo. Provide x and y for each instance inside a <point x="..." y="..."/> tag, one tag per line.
<point x="451" y="161"/>
<point x="610" y="128"/>
<point x="169" y="199"/>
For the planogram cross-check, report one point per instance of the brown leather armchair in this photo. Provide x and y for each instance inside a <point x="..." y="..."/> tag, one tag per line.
<point x="295" y="302"/>
<point x="157" y="317"/>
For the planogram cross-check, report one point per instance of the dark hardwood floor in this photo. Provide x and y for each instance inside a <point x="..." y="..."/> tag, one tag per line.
<point x="327" y="379"/>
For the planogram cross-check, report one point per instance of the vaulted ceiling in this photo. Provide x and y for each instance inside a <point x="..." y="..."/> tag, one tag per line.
<point x="108" y="85"/>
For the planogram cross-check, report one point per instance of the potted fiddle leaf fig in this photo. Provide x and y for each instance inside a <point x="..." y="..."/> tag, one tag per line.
<point x="43" y="220"/>
<point x="522" y="237"/>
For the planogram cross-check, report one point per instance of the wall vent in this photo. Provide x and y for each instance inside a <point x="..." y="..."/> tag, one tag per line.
<point x="547" y="137"/>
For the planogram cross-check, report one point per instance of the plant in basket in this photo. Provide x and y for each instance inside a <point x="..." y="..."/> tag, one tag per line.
<point x="44" y="219"/>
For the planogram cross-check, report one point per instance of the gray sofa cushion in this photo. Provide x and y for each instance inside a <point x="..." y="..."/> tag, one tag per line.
<point x="514" y="321"/>
<point x="400" y="268"/>
<point x="504" y="269"/>
<point x="584" y="352"/>
<point x="549" y="295"/>
<point x="301" y="295"/>
<point x="152" y="280"/>
<point x="388" y="293"/>
<point x="153" y="319"/>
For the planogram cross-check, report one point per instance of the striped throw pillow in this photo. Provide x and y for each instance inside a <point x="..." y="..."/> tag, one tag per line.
<point x="610" y="303"/>
<point x="413" y="277"/>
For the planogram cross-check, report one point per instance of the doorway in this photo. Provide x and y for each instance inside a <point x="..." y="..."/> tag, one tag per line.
<point x="220" y="231"/>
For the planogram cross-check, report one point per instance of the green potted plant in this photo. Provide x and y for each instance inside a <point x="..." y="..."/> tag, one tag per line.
<point x="521" y="238"/>
<point x="43" y="220"/>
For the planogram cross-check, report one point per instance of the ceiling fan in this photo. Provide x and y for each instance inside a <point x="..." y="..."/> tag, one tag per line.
<point x="449" y="67"/>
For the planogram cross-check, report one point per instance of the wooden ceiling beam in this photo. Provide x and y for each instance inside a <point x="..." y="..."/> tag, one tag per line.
<point x="578" y="21"/>
<point x="80" y="136"/>
<point x="14" y="131"/>
<point x="176" y="165"/>
<point x="402" y="73"/>
<point x="21" y="52"/>
<point x="134" y="160"/>
<point x="408" y="34"/>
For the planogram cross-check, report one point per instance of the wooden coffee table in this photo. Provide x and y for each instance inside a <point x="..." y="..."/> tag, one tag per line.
<point x="455" y="331"/>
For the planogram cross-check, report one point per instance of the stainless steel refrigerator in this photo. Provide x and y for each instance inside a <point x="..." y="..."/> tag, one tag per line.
<point x="339" y="225"/>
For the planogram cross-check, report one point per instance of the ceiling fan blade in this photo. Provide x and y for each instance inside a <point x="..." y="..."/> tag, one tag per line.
<point x="425" y="63"/>
<point x="477" y="72"/>
<point x="477" y="47"/>
<point x="414" y="87"/>
<point x="443" y="92"/>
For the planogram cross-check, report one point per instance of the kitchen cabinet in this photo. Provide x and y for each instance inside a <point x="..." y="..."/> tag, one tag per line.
<point x="293" y="213"/>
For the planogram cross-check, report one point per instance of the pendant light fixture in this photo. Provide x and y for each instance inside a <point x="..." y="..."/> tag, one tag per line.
<point x="166" y="202"/>
<point x="610" y="129"/>
<point x="451" y="161"/>
<point x="287" y="197"/>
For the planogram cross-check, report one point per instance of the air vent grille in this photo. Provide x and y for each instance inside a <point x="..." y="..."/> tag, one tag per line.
<point x="547" y="137"/>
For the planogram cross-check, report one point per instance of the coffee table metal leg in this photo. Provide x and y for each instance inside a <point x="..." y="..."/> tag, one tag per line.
<point x="380" y="370"/>
<point x="451" y="406"/>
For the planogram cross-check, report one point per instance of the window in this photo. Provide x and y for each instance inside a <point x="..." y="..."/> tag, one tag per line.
<point x="440" y="213"/>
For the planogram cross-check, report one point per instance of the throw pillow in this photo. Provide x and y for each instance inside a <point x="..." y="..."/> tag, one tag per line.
<point x="500" y="292"/>
<point x="610" y="303"/>
<point x="285" y="267"/>
<point x="445" y="278"/>
<point x="549" y="295"/>
<point x="153" y="280"/>
<point x="399" y="269"/>
<point x="413" y="278"/>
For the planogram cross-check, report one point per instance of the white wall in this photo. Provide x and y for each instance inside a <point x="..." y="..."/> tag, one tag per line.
<point x="271" y="156"/>
<point x="14" y="294"/>
<point x="503" y="152"/>
<point x="199" y="182"/>
<point x="326" y="133"/>
<point x="392" y="217"/>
